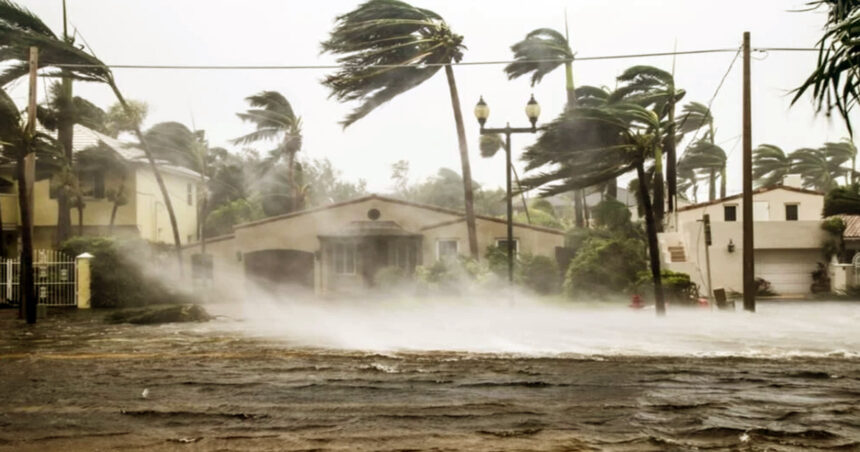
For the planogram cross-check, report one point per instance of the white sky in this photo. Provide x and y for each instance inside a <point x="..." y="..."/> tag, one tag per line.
<point x="418" y="126"/>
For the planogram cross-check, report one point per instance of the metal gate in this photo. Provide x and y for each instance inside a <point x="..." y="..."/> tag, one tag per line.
<point x="54" y="274"/>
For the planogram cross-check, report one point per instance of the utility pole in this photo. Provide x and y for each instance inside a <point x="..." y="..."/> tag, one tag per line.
<point x="749" y="250"/>
<point x="28" y="294"/>
<point x="706" y="221"/>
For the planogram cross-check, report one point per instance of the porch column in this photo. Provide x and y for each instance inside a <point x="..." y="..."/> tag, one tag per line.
<point x="82" y="281"/>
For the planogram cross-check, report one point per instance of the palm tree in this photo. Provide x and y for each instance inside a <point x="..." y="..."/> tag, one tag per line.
<point x="275" y="120"/>
<point x="770" y="165"/>
<point x="711" y="159"/>
<point x="688" y="181"/>
<point x="387" y="47"/>
<point x="842" y="152"/>
<point x="102" y="158"/>
<point x="542" y="51"/>
<point x="654" y="88"/>
<point x="589" y="145"/>
<point x="834" y="82"/>
<point x="819" y="170"/>
<point x="20" y="29"/>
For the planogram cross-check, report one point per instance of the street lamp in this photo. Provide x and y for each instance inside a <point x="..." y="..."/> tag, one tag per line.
<point x="482" y="112"/>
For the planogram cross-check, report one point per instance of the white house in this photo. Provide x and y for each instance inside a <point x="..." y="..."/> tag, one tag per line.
<point x="787" y="237"/>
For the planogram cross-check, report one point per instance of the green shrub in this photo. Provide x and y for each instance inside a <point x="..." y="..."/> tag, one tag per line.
<point x="603" y="266"/>
<point x="390" y="276"/>
<point x="539" y="273"/>
<point x="677" y="286"/>
<point x="117" y="277"/>
<point x="612" y="215"/>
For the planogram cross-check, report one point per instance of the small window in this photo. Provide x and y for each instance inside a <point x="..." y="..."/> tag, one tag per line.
<point x="344" y="258"/>
<point x="447" y="249"/>
<point x="791" y="212"/>
<point x="190" y="194"/>
<point x="502" y="244"/>
<point x="730" y="213"/>
<point x="92" y="184"/>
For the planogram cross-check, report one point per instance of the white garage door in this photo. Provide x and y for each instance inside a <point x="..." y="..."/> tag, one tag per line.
<point x="788" y="271"/>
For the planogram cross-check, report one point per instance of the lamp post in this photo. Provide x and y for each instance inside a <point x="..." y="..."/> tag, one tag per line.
<point x="482" y="112"/>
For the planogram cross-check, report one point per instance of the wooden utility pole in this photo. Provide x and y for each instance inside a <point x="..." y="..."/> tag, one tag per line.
<point x="27" y="174"/>
<point x="749" y="250"/>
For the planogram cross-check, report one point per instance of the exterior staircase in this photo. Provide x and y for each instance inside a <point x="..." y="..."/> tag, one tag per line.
<point x="676" y="253"/>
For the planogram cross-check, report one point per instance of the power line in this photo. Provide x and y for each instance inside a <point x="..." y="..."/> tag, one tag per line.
<point x="462" y="63"/>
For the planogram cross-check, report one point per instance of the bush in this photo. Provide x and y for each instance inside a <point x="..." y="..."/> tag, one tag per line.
<point x="677" y="286"/>
<point x="538" y="273"/>
<point x="117" y="278"/>
<point x="390" y="276"/>
<point x="612" y="215"/>
<point x="604" y="266"/>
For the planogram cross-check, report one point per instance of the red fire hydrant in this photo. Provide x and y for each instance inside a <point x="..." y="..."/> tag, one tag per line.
<point x="703" y="302"/>
<point x="636" y="302"/>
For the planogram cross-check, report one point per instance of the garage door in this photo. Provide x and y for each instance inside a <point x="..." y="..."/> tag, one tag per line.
<point x="788" y="271"/>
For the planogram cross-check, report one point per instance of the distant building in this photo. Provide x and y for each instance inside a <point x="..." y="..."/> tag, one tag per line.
<point x="144" y="215"/>
<point x="787" y="238"/>
<point x="339" y="248"/>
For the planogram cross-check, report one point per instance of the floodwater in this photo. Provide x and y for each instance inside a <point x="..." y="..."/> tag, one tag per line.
<point x="437" y="376"/>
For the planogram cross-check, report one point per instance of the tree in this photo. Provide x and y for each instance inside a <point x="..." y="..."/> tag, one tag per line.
<point x="542" y="51"/>
<point x="275" y="120"/>
<point x="834" y="82"/>
<point x="104" y="159"/>
<point x="654" y="88"/>
<point x="589" y="145"/>
<point x="844" y="151"/>
<point x="818" y="168"/>
<point x="387" y="47"/>
<point x="770" y="165"/>
<point x="711" y="159"/>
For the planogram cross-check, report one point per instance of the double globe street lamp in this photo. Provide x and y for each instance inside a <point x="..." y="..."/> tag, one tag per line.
<point x="482" y="112"/>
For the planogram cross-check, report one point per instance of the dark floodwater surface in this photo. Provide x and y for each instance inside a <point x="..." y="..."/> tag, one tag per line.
<point x="72" y="383"/>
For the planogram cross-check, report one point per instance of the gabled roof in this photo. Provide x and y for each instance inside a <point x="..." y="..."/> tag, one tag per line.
<point x="457" y="216"/>
<point x="757" y="191"/>
<point x="852" y="226"/>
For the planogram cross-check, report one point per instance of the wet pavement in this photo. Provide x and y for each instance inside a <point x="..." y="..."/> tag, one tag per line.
<point x="74" y="383"/>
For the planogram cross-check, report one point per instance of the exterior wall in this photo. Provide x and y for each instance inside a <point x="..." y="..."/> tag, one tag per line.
<point x="9" y="211"/>
<point x="300" y="232"/>
<point x="152" y="217"/>
<point x="228" y="267"/>
<point x="96" y="211"/>
<point x="774" y="234"/>
<point x="529" y="240"/>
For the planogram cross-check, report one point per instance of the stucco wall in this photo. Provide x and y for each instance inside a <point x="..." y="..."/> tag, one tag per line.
<point x="96" y="211"/>
<point x="530" y="240"/>
<point x="809" y="206"/>
<point x="152" y="217"/>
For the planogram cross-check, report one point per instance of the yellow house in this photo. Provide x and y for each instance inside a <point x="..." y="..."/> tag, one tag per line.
<point x="340" y="247"/>
<point x="143" y="215"/>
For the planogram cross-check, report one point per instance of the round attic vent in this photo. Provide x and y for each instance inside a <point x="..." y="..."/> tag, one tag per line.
<point x="373" y="214"/>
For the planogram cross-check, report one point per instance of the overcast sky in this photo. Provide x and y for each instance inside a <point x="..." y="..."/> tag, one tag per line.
<point x="418" y="126"/>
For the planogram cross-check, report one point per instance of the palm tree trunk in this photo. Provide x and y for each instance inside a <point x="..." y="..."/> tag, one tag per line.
<point x="653" y="244"/>
<point x="2" y="238"/>
<point x="204" y="205"/>
<point x="658" y="188"/>
<point x="65" y="135"/>
<point x="612" y="189"/>
<point x="522" y="195"/>
<point x="570" y="90"/>
<point x="164" y="194"/>
<point x="80" y="219"/>
<point x="291" y="174"/>
<point x="28" y="289"/>
<point x="723" y="181"/>
<point x="671" y="171"/>
<point x="469" y="195"/>
<point x="712" y="185"/>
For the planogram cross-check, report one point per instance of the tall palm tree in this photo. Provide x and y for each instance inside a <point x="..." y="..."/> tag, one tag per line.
<point x="387" y="47"/>
<point x="688" y="181"/>
<point x="710" y="159"/>
<point x="589" y="145"/>
<point x="542" y="51"/>
<point x="275" y="120"/>
<point x="770" y="165"/>
<point x="20" y="29"/>
<point x="654" y="88"/>
<point x="835" y="80"/>
<point x="842" y="152"/>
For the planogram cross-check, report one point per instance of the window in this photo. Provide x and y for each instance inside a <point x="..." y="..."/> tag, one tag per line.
<point x="190" y="194"/>
<point x="791" y="212"/>
<point x="92" y="184"/>
<point x="344" y="258"/>
<point x="502" y="244"/>
<point x="730" y="213"/>
<point x="403" y="255"/>
<point x="447" y="249"/>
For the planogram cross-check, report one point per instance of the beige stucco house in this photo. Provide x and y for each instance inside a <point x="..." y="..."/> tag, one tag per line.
<point x="338" y="248"/>
<point x="144" y="215"/>
<point x="787" y="237"/>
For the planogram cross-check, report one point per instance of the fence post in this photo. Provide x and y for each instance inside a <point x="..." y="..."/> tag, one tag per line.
<point x="82" y="282"/>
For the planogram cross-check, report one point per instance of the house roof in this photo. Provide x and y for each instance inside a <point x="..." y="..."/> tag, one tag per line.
<point x="459" y="216"/>
<point x="755" y="192"/>
<point x="852" y="226"/>
<point x="366" y="228"/>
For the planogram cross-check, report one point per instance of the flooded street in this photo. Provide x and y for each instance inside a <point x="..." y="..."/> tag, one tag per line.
<point x="74" y="383"/>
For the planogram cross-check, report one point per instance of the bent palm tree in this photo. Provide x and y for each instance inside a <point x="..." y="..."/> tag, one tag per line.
<point x="770" y="165"/>
<point x="275" y="120"/>
<point x="541" y="52"/>
<point x="818" y="170"/>
<point x="842" y="152"/>
<point x="710" y="159"/>
<point x="387" y="47"/>
<point x="587" y="146"/>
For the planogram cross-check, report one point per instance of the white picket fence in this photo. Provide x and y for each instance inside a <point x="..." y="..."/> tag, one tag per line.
<point x="54" y="274"/>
